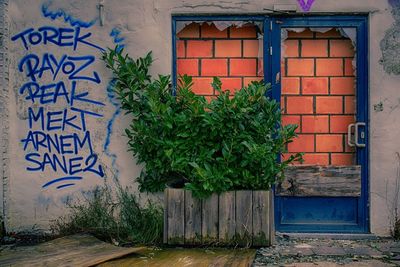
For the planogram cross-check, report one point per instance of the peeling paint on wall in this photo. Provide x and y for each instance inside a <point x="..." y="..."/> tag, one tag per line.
<point x="390" y="44"/>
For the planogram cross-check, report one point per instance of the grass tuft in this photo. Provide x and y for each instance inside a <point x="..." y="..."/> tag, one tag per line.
<point x="120" y="219"/>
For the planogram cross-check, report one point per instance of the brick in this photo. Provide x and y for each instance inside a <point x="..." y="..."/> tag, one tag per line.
<point x="286" y="156"/>
<point x="339" y="124"/>
<point x="190" y="31"/>
<point x="180" y="49"/>
<point x="348" y="67"/>
<point x="188" y="66"/>
<point x="291" y="48"/>
<point x="349" y="105"/>
<point x="329" y="67"/>
<point x="231" y="84"/>
<point x="210" y="31"/>
<point x="300" y="67"/>
<point x="302" y="143"/>
<point x="299" y="104"/>
<point x="214" y="67"/>
<point x="315" y="85"/>
<point x="333" y="33"/>
<point x="243" y="67"/>
<point x="329" y="104"/>
<point x="342" y="86"/>
<point x="196" y="48"/>
<point x="250" y="48"/>
<point x="341" y="48"/>
<point x="342" y="159"/>
<point x="290" y="119"/>
<point x="329" y="143"/>
<point x="314" y="48"/>
<point x="304" y="34"/>
<point x="248" y="80"/>
<point x="315" y="124"/>
<point x="202" y="86"/>
<point x="316" y="158"/>
<point x="290" y="85"/>
<point x="228" y="48"/>
<point x="246" y="31"/>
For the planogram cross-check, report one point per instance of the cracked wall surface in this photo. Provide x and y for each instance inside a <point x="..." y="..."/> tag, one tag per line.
<point x="142" y="26"/>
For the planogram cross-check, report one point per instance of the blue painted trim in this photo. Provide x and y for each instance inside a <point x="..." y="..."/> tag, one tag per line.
<point x="218" y="17"/>
<point x="174" y="71"/>
<point x="360" y="23"/>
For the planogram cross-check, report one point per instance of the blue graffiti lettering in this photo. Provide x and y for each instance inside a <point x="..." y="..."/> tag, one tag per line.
<point x="47" y="13"/>
<point x="71" y="67"/>
<point x="61" y="37"/>
<point x="46" y="144"/>
<point x="40" y="141"/>
<point x="68" y="166"/>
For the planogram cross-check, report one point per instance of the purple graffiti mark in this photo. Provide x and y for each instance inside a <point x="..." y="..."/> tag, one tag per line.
<point x="305" y="6"/>
<point x="47" y="13"/>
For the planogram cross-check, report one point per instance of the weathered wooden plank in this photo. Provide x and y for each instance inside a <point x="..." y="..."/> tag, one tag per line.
<point x="244" y="215"/>
<point x="261" y="218"/>
<point x="209" y="220"/>
<point x="165" y="226"/>
<point x="315" y="180"/>
<point x="192" y="219"/>
<point x="227" y="221"/>
<point x="271" y="218"/>
<point x="175" y="218"/>
<point x="74" y="250"/>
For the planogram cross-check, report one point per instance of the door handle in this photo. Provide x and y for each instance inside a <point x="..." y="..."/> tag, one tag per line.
<point x="349" y="141"/>
<point x="357" y="125"/>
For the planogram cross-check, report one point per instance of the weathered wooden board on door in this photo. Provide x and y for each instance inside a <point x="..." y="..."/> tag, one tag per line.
<point x="327" y="181"/>
<point x="232" y="218"/>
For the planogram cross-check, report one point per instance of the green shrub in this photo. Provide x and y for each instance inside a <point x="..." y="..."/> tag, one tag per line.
<point x="121" y="219"/>
<point x="231" y="143"/>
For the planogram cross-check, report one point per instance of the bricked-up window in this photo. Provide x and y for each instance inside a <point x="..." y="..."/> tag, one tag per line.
<point x="231" y="51"/>
<point x="318" y="93"/>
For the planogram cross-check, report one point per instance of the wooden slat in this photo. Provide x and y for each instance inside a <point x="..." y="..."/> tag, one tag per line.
<point x="227" y="221"/>
<point x="175" y="218"/>
<point x="209" y="222"/>
<point x="74" y="250"/>
<point x="261" y="218"/>
<point x="165" y="233"/>
<point x="244" y="211"/>
<point x="313" y="180"/>
<point x="192" y="219"/>
<point x="271" y="233"/>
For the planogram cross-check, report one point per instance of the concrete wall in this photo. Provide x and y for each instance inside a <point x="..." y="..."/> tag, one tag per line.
<point x="144" y="26"/>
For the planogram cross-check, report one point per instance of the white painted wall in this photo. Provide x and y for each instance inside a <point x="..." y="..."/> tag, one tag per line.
<point x="146" y="25"/>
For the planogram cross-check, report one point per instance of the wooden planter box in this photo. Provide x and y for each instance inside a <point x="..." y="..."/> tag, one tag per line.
<point x="243" y="218"/>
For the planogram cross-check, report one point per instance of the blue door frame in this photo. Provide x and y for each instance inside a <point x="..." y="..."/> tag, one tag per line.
<point x="359" y="223"/>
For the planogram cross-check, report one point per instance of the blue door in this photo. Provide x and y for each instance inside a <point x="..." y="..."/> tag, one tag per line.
<point x="319" y="74"/>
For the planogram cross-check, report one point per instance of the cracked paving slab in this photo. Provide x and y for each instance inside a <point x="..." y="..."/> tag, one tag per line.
<point x="329" y="252"/>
